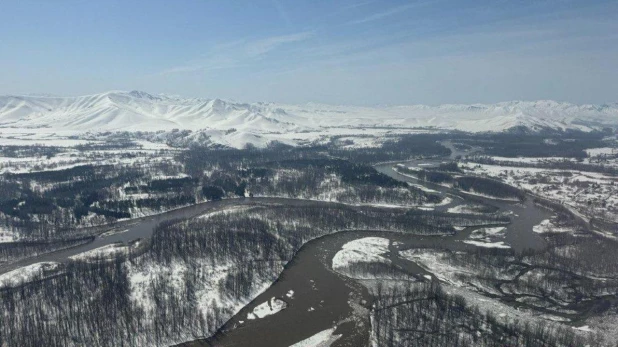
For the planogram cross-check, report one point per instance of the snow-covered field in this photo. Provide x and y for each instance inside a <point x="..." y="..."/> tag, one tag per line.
<point x="590" y="193"/>
<point x="72" y="157"/>
<point x="436" y="263"/>
<point x="25" y="274"/>
<point x="105" y="252"/>
<point x="8" y="235"/>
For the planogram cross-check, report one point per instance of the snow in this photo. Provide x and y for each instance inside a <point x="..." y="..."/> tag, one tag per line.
<point x="499" y="244"/>
<point x="107" y="251"/>
<point x="224" y="211"/>
<point x="365" y="250"/>
<point x="434" y="262"/>
<point x="445" y="201"/>
<point x="462" y="209"/>
<point x="487" y="232"/>
<point x="8" y="235"/>
<point x="593" y="152"/>
<point x="142" y="277"/>
<point x="547" y="227"/>
<point x="267" y="308"/>
<point x="421" y="187"/>
<point x="26" y="273"/>
<point x="235" y="124"/>
<point x="290" y="294"/>
<point x="486" y="237"/>
<point x="583" y="328"/>
<point x="322" y="339"/>
<point x="471" y="192"/>
<point x="586" y="194"/>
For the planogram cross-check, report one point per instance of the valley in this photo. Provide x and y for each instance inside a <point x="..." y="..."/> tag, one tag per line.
<point x="352" y="173"/>
<point x="153" y="238"/>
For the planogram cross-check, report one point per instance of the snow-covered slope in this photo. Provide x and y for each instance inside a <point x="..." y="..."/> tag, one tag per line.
<point x="135" y="110"/>
<point x="259" y="123"/>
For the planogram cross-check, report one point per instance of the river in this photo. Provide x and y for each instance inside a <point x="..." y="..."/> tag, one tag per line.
<point x="323" y="299"/>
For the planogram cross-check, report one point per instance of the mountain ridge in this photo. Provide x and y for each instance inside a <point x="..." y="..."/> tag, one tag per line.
<point x="142" y="111"/>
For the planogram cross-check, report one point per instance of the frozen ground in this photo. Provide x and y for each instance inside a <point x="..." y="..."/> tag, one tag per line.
<point x="144" y="152"/>
<point x="591" y="194"/>
<point x="26" y="273"/>
<point x="105" y="252"/>
<point x="8" y="235"/>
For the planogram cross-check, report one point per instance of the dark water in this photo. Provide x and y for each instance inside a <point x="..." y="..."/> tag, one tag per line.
<point x="336" y="298"/>
<point x="321" y="301"/>
<point x="524" y="215"/>
<point x="143" y="228"/>
<point x="322" y="298"/>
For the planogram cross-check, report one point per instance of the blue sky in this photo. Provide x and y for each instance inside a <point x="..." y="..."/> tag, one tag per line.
<point x="341" y="52"/>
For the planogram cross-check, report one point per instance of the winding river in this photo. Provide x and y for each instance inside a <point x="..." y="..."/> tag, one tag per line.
<point x="322" y="299"/>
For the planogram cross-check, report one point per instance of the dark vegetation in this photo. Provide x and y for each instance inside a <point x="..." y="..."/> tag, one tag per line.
<point x="87" y="195"/>
<point x="445" y="175"/>
<point x="554" y="164"/>
<point x="29" y="151"/>
<point x="427" y="316"/>
<point x="570" y="144"/>
<point x="489" y="187"/>
<point x="90" y="303"/>
<point x="10" y="252"/>
<point x="406" y="147"/>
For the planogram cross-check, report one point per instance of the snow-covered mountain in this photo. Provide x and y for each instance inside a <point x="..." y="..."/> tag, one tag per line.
<point x="140" y="111"/>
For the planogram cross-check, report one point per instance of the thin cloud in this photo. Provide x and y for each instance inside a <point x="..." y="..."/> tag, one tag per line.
<point x="181" y="69"/>
<point x="386" y="13"/>
<point x="211" y="63"/>
<point x="359" y="4"/>
<point x="263" y="46"/>
<point x="236" y="53"/>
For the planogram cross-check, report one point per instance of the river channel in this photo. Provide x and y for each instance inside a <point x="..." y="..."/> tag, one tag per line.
<point x="322" y="299"/>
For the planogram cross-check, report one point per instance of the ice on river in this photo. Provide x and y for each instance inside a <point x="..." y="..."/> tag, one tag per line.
<point x="267" y="308"/>
<point x="499" y="244"/>
<point x="322" y="339"/>
<point x="365" y="250"/>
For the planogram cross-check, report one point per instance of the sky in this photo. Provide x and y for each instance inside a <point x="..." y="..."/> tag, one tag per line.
<point x="359" y="52"/>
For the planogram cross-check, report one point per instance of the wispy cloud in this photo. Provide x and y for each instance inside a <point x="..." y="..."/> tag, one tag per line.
<point x="207" y="65"/>
<point x="236" y="53"/>
<point x="387" y="13"/>
<point x="181" y="69"/>
<point x="261" y="47"/>
<point x="358" y="4"/>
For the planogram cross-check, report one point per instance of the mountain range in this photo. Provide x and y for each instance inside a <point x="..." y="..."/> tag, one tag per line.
<point x="140" y="111"/>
